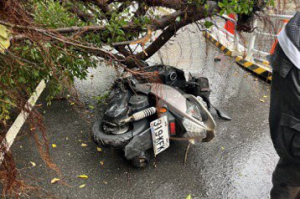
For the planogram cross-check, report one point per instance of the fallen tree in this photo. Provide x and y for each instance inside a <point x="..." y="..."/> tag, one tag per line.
<point x="59" y="37"/>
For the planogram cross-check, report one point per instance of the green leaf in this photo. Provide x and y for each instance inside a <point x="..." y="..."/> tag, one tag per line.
<point x="222" y="12"/>
<point x="22" y="79"/>
<point x="208" y="24"/>
<point x="36" y="73"/>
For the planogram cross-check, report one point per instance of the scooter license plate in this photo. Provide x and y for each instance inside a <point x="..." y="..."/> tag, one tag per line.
<point x="160" y="134"/>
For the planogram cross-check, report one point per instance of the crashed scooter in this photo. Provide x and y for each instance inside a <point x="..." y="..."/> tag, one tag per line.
<point x="141" y="116"/>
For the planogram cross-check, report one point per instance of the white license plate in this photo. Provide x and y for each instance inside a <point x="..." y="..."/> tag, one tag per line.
<point x="160" y="134"/>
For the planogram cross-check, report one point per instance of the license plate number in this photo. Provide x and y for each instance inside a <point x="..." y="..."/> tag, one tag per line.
<point x="160" y="134"/>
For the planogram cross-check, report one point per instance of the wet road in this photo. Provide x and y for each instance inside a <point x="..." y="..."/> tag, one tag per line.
<point x="237" y="164"/>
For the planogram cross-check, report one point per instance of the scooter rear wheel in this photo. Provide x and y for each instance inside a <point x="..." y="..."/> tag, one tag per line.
<point x="114" y="141"/>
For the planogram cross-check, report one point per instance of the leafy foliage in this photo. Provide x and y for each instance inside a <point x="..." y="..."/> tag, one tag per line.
<point x="239" y="6"/>
<point x="53" y="15"/>
<point x="56" y="62"/>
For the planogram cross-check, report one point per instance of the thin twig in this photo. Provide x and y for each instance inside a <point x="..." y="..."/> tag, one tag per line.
<point x="186" y="152"/>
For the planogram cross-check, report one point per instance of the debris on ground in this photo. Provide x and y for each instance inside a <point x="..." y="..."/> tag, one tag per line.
<point x="33" y="164"/>
<point x="81" y="186"/>
<point x="55" y="180"/>
<point x="83" y="176"/>
<point x="217" y="59"/>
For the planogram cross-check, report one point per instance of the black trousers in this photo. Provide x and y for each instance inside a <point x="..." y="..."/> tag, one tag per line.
<point x="286" y="180"/>
<point x="284" y="122"/>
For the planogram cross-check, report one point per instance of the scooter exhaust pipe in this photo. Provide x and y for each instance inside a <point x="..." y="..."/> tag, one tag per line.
<point x="140" y="115"/>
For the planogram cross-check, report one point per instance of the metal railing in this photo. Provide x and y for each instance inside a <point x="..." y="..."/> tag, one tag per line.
<point x="250" y="49"/>
<point x="252" y="39"/>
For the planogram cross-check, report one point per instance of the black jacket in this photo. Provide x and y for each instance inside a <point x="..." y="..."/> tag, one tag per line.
<point x="284" y="115"/>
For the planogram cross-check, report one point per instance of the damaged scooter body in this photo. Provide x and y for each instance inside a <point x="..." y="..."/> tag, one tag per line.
<point x="176" y="101"/>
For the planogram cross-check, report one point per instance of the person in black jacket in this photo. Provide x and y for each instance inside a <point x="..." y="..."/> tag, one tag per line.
<point x="284" y="115"/>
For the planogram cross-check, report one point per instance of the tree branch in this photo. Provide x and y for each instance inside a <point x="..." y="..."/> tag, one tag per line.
<point x="141" y="11"/>
<point x="172" y="29"/>
<point x="155" y="25"/>
<point x="86" y="17"/>
<point x="173" y="4"/>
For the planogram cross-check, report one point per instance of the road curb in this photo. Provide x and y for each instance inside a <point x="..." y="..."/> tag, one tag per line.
<point x="255" y="68"/>
<point x="262" y="62"/>
<point x="261" y="71"/>
<point x="223" y="48"/>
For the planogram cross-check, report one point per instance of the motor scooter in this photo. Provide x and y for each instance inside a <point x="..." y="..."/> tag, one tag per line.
<point x="142" y="114"/>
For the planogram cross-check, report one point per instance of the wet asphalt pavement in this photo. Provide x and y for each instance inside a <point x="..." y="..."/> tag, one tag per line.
<point x="237" y="164"/>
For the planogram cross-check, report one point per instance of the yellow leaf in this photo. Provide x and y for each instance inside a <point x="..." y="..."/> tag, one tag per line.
<point x="4" y="39"/>
<point x="222" y="148"/>
<point x="262" y="100"/>
<point x="3" y="32"/>
<point x="81" y="186"/>
<point x="54" y="145"/>
<point x="99" y="149"/>
<point x="189" y="196"/>
<point x="102" y="163"/>
<point x="265" y="96"/>
<point x="84" y="145"/>
<point x="83" y="176"/>
<point x="55" y="180"/>
<point x="33" y="164"/>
